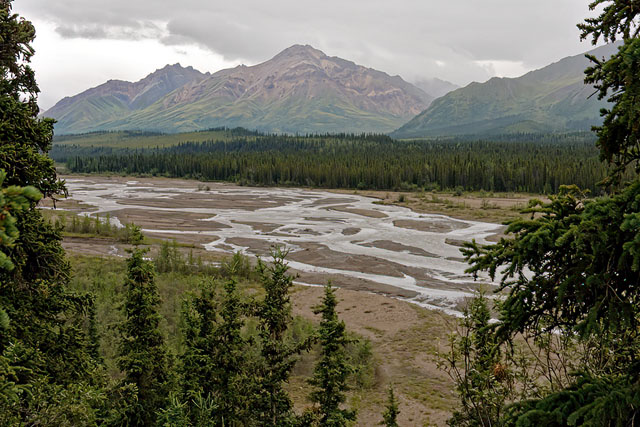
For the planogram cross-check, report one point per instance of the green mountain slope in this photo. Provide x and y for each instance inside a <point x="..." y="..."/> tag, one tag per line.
<point x="551" y="99"/>
<point x="299" y="90"/>
<point x="116" y="98"/>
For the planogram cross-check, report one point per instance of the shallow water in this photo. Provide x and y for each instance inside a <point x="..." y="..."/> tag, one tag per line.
<point x="304" y="217"/>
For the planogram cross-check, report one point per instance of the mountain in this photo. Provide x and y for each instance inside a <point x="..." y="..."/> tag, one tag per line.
<point x="299" y="90"/>
<point x="551" y="99"/>
<point x="436" y="87"/>
<point x="116" y="98"/>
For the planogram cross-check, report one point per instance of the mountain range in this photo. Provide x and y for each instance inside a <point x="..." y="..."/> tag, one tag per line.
<point x="299" y="90"/>
<point x="551" y="99"/>
<point x="117" y="99"/>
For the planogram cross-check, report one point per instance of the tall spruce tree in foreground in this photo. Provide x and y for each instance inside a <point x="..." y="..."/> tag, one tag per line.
<point x="48" y="372"/>
<point x="143" y="354"/>
<point x="12" y="200"/>
<point x="574" y="268"/>
<point x="214" y="365"/>
<point x="332" y="369"/>
<point x="273" y="405"/>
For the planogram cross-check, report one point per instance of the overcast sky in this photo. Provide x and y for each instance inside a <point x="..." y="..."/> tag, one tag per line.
<point x="82" y="43"/>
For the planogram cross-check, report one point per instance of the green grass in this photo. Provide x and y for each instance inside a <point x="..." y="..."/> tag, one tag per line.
<point x="127" y="139"/>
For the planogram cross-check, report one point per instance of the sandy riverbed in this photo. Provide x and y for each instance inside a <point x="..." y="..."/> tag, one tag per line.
<point x="347" y="238"/>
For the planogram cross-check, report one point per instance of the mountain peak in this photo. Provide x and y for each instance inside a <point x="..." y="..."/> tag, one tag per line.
<point x="298" y="50"/>
<point x="299" y="90"/>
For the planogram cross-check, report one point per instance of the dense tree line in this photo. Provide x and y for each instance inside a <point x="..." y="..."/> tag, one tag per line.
<point x="364" y="162"/>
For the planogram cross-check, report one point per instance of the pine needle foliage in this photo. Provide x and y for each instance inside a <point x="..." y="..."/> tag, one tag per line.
<point x="617" y="79"/>
<point x="391" y="412"/>
<point x="273" y="406"/>
<point x="46" y="371"/>
<point x="332" y="370"/>
<point x="215" y="363"/>
<point x="143" y="356"/>
<point x="574" y="267"/>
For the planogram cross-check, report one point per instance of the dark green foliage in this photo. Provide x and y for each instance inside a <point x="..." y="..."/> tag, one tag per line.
<point x="47" y="376"/>
<point x="24" y="142"/>
<point x="13" y="199"/>
<point x="583" y="255"/>
<point x="215" y="363"/>
<point x="618" y="19"/>
<point x="143" y="356"/>
<point x="617" y="80"/>
<point x="390" y="414"/>
<point x="591" y="401"/>
<point x="93" y="346"/>
<point x="273" y="405"/>
<point x="574" y="267"/>
<point x="24" y="139"/>
<point x="529" y="163"/>
<point x="132" y="234"/>
<point x="332" y="369"/>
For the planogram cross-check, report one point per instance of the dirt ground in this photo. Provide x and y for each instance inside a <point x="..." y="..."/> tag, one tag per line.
<point x="405" y="340"/>
<point x="475" y="206"/>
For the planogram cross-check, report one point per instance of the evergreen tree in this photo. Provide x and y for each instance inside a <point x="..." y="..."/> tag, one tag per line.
<point x="474" y="362"/>
<point x="617" y="79"/>
<point x="47" y="372"/>
<point x="214" y="364"/>
<point x="273" y="406"/>
<point x="92" y="332"/>
<point x="13" y="200"/>
<point x="143" y="354"/>
<point x="574" y="267"/>
<point x="332" y="370"/>
<point x="390" y="414"/>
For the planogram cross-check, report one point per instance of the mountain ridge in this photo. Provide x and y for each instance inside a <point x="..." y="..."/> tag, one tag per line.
<point x="116" y="98"/>
<point x="550" y="99"/>
<point x="299" y="90"/>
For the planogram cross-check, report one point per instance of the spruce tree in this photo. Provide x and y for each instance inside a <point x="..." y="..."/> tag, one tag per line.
<point x="574" y="267"/>
<point x="332" y="369"/>
<point x="272" y="406"/>
<point x="44" y="341"/>
<point x="483" y="379"/>
<point x="12" y="200"/>
<point x="143" y="356"/>
<point x="214" y="364"/>
<point x="390" y="414"/>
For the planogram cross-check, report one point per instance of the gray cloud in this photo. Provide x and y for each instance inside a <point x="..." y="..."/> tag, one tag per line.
<point x="136" y="31"/>
<point x="452" y="40"/>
